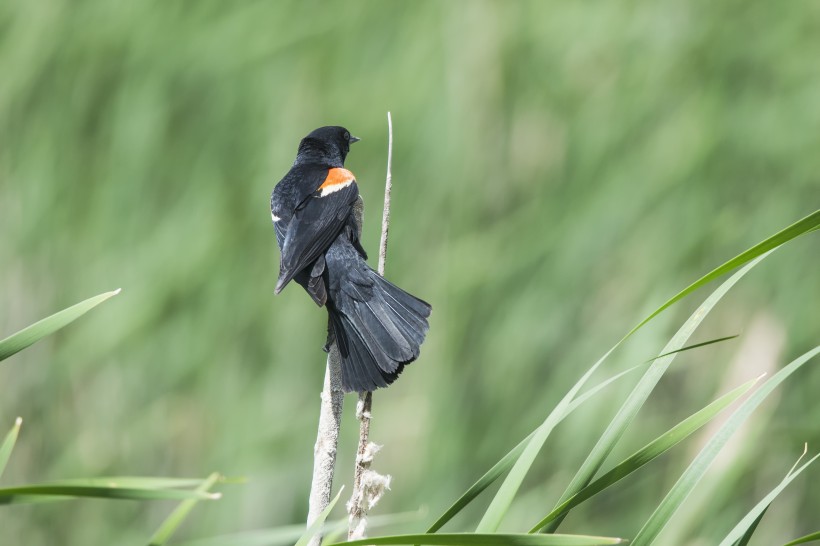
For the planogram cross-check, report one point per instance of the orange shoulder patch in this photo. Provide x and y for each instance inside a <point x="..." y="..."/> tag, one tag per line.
<point x="337" y="176"/>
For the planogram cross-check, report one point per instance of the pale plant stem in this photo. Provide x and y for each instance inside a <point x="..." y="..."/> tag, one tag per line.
<point x="327" y="437"/>
<point x="388" y="185"/>
<point x="357" y="506"/>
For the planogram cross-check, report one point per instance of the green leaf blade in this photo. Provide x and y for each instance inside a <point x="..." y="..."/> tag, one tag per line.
<point x="317" y="525"/>
<point x="692" y="475"/>
<point x="754" y="515"/>
<point x="35" y="332"/>
<point x="136" y="482"/>
<point x="503" y="499"/>
<point x="813" y="537"/>
<point x="636" y="399"/>
<point x="651" y="451"/>
<point x="8" y="444"/>
<point x="288" y="535"/>
<point x="174" y="520"/>
<point x="747" y="536"/>
<point x="478" y="539"/>
<point x="695" y="346"/>
<point x="511" y="457"/>
<point x="805" y="225"/>
<point x="54" y="491"/>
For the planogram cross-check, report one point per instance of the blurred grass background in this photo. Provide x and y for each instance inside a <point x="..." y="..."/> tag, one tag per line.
<point x="559" y="170"/>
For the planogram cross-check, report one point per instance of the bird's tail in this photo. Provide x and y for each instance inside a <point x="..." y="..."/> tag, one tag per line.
<point x="378" y="333"/>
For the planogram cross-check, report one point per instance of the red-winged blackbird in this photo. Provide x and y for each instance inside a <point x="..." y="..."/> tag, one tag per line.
<point x="377" y="326"/>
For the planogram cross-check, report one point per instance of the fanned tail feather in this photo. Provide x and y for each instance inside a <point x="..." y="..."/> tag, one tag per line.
<point x="378" y="330"/>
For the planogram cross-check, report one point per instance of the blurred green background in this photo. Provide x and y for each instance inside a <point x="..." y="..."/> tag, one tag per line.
<point x="560" y="169"/>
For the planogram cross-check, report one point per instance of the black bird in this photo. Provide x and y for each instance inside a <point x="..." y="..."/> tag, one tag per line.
<point x="377" y="326"/>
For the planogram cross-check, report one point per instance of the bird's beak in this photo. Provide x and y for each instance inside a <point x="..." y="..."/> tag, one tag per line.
<point x="354" y="139"/>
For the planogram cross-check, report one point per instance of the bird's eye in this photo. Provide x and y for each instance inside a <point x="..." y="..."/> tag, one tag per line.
<point x="347" y="136"/>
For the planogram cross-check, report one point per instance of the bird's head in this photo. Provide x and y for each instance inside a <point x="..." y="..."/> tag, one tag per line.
<point x="328" y="145"/>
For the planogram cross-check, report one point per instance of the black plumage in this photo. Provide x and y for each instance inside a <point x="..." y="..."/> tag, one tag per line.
<point x="377" y="326"/>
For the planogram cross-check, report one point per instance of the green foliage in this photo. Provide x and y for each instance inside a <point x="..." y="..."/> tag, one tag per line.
<point x="636" y="399"/>
<point x="694" y="346"/>
<point x="655" y="448"/>
<point x="747" y="536"/>
<point x="683" y="487"/>
<point x="320" y="521"/>
<point x="502" y="500"/>
<point x="127" y="488"/>
<point x="745" y="528"/>
<point x="34" y="333"/>
<point x="537" y="438"/>
<point x="805" y="225"/>
<point x="287" y="535"/>
<point x="8" y="444"/>
<point x="813" y="537"/>
<point x="175" y="518"/>
<point x="57" y="490"/>
<point x="477" y="539"/>
<point x="507" y="462"/>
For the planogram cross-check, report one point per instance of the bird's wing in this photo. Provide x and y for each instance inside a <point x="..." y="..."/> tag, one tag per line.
<point x="316" y="222"/>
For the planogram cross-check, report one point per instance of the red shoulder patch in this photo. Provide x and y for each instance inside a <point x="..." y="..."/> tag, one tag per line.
<point x="337" y="176"/>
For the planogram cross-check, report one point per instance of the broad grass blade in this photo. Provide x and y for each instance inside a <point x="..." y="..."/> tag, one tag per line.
<point x="31" y="334"/>
<point x="504" y="497"/>
<point x="8" y="444"/>
<point x="692" y="475"/>
<point x="510" y="458"/>
<point x="280" y="536"/>
<point x="654" y="449"/>
<point x="805" y="225"/>
<point x="695" y="346"/>
<point x="175" y="518"/>
<point x="317" y="525"/>
<point x="746" y="523"/>
<point x="475" y="539"/>
<point x="136" y="482"/>
<point x="813" y="537"/>
<point x="747" y="536"/>
<point x="47" y="492"/>
<point x="289" y="534"/>
<point x="641" y="392"/>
